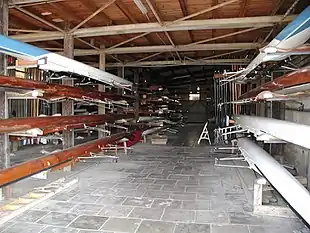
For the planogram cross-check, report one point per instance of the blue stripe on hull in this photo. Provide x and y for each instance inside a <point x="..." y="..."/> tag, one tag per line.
<point x="20" y="48"/>
<point x="301" y="23"/>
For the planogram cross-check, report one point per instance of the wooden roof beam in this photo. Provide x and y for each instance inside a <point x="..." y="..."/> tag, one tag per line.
<point x="123" y="9"/>
<point x="246" y="22"/>
<point x="243" y="5"/>
<point x="132" y="19"/>
<point x="104" y="6"/>
<point x="159" y="19"/>
<point x="169" y="48"/>
<point x="206" y="10"/>
<point x="185" y="13"/>
<point x="178" y="63"/>
<point x="224" y="54"/>
<point x="12" y="3"/>
<point x="93" y="7"/>
<point x="224" y="36"/>
<point x="38" y="18"/>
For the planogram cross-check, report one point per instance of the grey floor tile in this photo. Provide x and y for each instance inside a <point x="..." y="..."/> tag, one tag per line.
<point x="143" y="181"/>
<point x="104" y="192"/>
<point x="148" y="226"/>
<point x="157" y="194"/>
<point x="89" y="209"/>
<point x="230" y="229"/>
<point x="278" y="229"/>
<point x="111" y="200"/>
<point x="51" y="229"/>
<point x="178" y="177"/>
<point x="85" y="198"/>
<point x="183" y="196"/>
<point x="206" y="216"/>
<point x="162" y="181"/>
<point x="187" y="182"/>
<point x="131" y="193"/>
<point x="31" y="216"/>
<point x="198" y="189"/>
<point x="147" y="213"/>
<point x="121" y="225"/>
<point x="136" y="201"/>
<point x="146" y="187"/>
<point x="167" y="203"/>
<point x="211" y="196"/>
<point x="173" y="188"/>
<point x="58" y="219"/>
<point x="245" y="218"/>
<point x="179" y="215"/>
<point x="197" y="205"/>
<point x="115" y="211"/>
<point x="5" y="225"/>
<point x="89" y="222"/>
<point x="192" y="228"/>
<point x="90" y="231"/>
<point x="24" y="228"/>
<point x="63" y="196"/>
<point x="157" y="176"/>
<point x="58" y="206"/>
<point x="126" y="186"/>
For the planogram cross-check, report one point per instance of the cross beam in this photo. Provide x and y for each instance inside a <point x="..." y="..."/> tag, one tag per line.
<point x="245" y="22"/>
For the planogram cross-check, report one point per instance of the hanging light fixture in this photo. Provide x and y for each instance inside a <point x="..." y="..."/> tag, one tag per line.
<point x="141" y="7"/>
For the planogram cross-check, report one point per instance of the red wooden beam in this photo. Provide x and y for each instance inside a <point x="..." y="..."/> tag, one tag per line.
<point x="295" y="78"/>
<point x="54" y="122"/>
<point x="52" y="91"/>
<point x="26" y="169"/>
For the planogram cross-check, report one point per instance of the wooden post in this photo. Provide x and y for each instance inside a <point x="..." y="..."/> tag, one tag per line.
<point x="101" y="87"/>
<point x="120" y="73"/>
<point x="136" y="85"/>
<point x="5" y="160"/>
<point x="68" y="106"/>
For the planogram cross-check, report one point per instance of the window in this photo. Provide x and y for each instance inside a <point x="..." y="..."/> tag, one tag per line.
<point x="194" y="96"/>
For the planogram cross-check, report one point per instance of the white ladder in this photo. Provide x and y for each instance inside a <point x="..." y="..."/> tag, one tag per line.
<point x="204" y="134"/>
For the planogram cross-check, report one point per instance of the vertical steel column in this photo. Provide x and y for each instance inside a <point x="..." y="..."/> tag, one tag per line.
<point x="68" y="105"/>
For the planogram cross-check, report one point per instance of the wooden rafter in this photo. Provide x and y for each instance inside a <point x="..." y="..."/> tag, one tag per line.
<point x="124" y="10"/>
<point x="160" y="21"/>
<point x="185" y="13"/>
<point x="104" y="6"/>
<point x="38" y="18"/>
<point x="224" y="54"/>
<point x="210" y="9"/>
<point x="62" y="10"/>
<point x="93" y="7"/>
<point x="243" y="7"/>
<point x="224" y="36"/>
<point x="242" y="13"/>
<point x="132" y="19"/>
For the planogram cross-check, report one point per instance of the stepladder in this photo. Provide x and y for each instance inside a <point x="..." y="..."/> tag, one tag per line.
<point x="204" y="134"/>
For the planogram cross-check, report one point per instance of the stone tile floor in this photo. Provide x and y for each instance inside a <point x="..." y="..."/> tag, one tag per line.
<point x="155" y="189"/>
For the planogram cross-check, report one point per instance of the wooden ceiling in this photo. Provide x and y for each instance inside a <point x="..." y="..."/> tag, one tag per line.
<point x="36" y="16"/>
